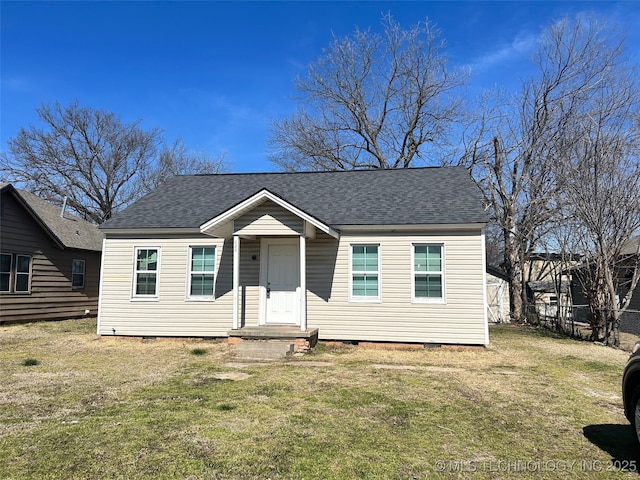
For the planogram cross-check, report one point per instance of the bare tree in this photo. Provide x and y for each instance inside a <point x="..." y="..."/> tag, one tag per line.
<point x="559" y="251"/>
<point x="600" y="178"/>
<point x="519" y="139"/>
<point x="88" y="155"/>
<point x="494" y="245"/>
<point x="371" y="101"/>
<point x="506" y="156"/>
<point x="176" y="159"/>
<point x="98" y="162"/>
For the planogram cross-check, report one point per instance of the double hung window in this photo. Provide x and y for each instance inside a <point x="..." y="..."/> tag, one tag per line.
<point x="77" y="273"/>
<point x="23" y="273"/>
<point x="202" y="263"/>
<point x="146" y="272"/>
<point x="365" y="272"/>
<point x="15" y="273"/>
<point x="6" y="262"/>
<point x="428" y="273"/>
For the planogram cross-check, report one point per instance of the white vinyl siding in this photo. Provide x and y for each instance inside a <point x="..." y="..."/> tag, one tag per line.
<point x="202" y="266"/>
<point x="461" y="320"/>
<point x="428" y="273"/>
<point x="145" y="275"/>
<point x="77" y="273"/>
<point x="365" y="273"/>
<point x="6" y="262"/>
<point x="23" y="274"/>
<point x="173" y="315"/>
<point x="269" y="219"/>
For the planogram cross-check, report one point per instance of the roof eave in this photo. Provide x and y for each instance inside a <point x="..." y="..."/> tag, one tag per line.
<point x="152" y="231"/>
<point x="426" y="227"/>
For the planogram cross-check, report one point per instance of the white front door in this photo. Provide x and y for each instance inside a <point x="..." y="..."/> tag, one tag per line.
<point x="282" y="284"/>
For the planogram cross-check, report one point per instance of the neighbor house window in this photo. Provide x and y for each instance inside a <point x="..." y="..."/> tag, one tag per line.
<point x="146" y="273"/>
<point x="202" y="267"/>
<point x="365" y="272"/>
<point x="77" y="274"/>
<point x="5" y="272"/>
<point x="428" y="276"/>
<point x="23" y="273"/>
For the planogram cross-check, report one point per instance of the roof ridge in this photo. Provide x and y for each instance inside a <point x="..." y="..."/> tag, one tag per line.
<point x="317" y="172"/>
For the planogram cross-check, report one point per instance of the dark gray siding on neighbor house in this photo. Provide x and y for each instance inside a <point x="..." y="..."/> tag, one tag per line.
<point x="51" y="295"/>
<point x="630" y="321"/>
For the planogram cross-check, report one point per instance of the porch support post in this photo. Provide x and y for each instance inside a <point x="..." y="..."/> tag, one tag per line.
<point x="303" y="283"/>
<point x="236" y="280"/>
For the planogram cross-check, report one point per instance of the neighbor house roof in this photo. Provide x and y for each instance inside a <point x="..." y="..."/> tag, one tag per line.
<point x="548" y="286"/>
<point x="442" y="195"/>
<point x="67" y="231"/>
<point x="632" y="246"/>
<point x="497" y="272"/>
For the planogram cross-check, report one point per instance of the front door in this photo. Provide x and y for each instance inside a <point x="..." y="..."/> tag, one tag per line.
<point x="282" y="284"/>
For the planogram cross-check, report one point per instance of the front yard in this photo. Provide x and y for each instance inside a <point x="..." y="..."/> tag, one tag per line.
<point x="531" y="405"/>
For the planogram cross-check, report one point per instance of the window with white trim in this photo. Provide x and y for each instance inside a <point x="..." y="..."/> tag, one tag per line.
<point x="23" y="274"/>
<point x="428" y="273"/>
<point x="77" y="273"/>
<point x="365" y="272"/>
<point x="146" y="272"/>
<point x="202" y="266"/>
<point x="6" y="262"/>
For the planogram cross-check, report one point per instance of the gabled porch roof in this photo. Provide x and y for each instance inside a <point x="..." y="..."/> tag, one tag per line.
<point x="222" y="224"/>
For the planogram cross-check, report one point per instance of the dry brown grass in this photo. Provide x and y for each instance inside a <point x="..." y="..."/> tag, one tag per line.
<point x="91" y="371"/>
<point x="155" y="410"/>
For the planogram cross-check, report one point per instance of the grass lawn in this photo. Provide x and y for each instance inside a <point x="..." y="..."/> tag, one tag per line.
<point x="531" y="405"/>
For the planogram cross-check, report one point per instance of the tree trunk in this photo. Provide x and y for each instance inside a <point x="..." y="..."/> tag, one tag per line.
<point x="613" y="313"/>
<point x="513" y="269"/>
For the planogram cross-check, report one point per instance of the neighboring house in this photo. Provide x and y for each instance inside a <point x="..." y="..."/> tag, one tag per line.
<point x="49" y="262"/>
<point x="375" y="255"/>
<point x="548" y="280"/>
<point x="497" y="295"/>
<point x="630" y="254"/>
<point x="548" y="295"/>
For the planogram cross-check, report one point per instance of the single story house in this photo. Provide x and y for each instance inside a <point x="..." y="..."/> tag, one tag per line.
<point x="49" y="260"/>
<point x="369" y="255"/>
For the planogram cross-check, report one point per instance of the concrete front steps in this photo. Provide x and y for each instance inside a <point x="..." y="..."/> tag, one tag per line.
<point x="263" y="349"/>
<point x="271" y="342"/>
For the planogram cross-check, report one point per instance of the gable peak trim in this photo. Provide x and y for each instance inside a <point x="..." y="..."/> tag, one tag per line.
<point x="257" y="199"/>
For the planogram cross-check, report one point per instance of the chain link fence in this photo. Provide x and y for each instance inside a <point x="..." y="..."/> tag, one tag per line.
<point x="572" y="318"/>
<point x="629" y="320"/>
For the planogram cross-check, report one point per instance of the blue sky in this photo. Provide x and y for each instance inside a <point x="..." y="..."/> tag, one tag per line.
<point x="217" y="73"/>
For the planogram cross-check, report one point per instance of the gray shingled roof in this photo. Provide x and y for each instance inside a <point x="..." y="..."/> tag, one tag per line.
<point x="443" y="195"/>
<point x="70" y="231"/>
